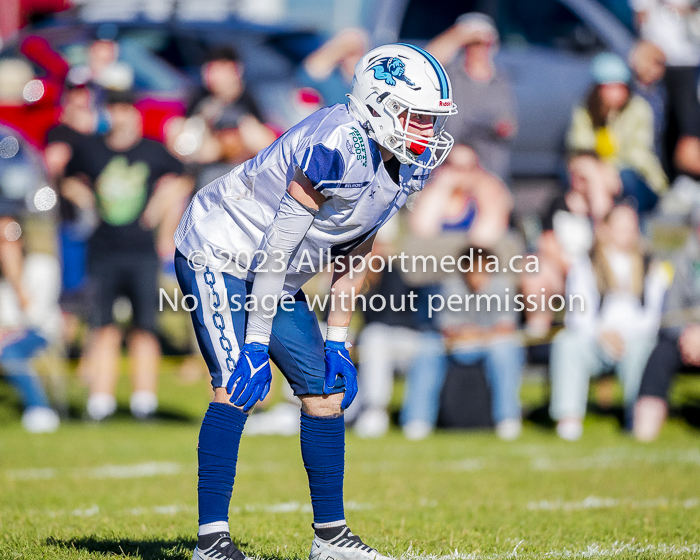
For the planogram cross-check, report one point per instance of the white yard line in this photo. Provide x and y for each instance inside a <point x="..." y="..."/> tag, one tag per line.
<point x="615" y="458"/>
<point x="138" y="470"/>
<point x="95" y="509"/>
<point x="591" y="551"/>
<point x="611" y="458"/>
<point x="594" y="502"/>
<point x="31" y="474"/>
<point x="173" y="509"/>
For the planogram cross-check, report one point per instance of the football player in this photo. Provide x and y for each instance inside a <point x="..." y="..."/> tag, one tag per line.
<point x="256" y="235"/>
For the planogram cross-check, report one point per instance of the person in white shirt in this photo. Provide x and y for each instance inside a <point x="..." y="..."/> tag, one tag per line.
<point x="623" y="292"/>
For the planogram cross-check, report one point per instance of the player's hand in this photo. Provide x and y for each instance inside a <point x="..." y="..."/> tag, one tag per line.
<point x="339" y="364"/>
<point x="251" y="376"/>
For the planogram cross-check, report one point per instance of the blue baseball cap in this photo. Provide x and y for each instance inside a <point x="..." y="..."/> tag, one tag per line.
<point x="608" y="68"/>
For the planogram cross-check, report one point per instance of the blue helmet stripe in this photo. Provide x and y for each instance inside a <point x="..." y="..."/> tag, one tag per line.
<point x="444" y="83"/>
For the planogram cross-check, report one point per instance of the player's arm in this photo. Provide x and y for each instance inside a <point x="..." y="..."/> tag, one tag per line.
<point x="347" y="281"/>
<point x="170" y="192"/>
<point x="445" y="46"/>
<point x="349" y="276"/>
<point x="76" y="189"/>
<point x="12" y="263"/>
<point x="301" y="190"/>
<point x="293" y="219"/>
<point x="250" y="381"/>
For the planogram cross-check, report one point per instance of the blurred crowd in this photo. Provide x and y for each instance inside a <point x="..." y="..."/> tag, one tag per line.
<point x="94" y="179"/>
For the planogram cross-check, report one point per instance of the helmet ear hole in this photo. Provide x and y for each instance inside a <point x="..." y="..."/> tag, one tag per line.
<point x="372" y="111"/>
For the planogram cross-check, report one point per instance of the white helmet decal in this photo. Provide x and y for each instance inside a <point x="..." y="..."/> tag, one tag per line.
<point x="403" y="80"/>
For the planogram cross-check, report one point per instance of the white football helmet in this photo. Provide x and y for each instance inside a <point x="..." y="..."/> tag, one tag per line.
<point x="397" y="78"/>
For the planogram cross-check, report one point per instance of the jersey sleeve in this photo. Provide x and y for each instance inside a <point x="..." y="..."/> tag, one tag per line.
<point x="323" y="165"/>
<point x="338" y="164"/>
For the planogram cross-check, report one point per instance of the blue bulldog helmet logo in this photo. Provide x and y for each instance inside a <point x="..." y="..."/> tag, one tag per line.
<point x="390" y="69"/>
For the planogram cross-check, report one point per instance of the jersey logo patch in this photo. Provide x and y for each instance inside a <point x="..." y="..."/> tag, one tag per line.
<point x="390" y="69"/>
<point x="357" y="146"/>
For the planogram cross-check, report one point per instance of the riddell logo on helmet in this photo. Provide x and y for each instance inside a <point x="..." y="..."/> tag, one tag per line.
<point x="445" y="103"/>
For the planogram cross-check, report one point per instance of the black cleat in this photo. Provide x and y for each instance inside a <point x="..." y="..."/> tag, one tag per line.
<point x="217" y="546"/>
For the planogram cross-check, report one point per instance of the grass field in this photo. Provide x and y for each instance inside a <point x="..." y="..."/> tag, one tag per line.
<point x="128" y="490"/>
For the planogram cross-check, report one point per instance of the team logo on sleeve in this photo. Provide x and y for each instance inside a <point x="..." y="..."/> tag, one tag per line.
<point x="356" y="145"/>
<point x="390" y="69"/>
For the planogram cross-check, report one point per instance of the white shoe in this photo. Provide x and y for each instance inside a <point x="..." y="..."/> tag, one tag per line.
<point x="143" y="404"/>
<point x="509" y="429"/>
<point x="372" y="423"/>
<point x="101" y="405"/>
<point x="40" y="420"/>
<point x="281" y="420"/>
<point x="345" y="546"/>
<point x="417" y="429"/>
<point x="570" y="429"/>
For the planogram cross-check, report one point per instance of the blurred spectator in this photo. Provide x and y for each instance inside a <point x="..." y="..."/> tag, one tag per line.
<point x="673" y="26"/>
<point x="461" y="204"/>
<point x="469" y="336"/>
<point x="29" y="105"/>
<point x="567" y="233"/>
<point x="486" y="121"/>
<point x="678" y="347"/>
<point x="648" y="63"/>
<point x="29" y="319"/>
<point x="619" y="127"/>
<point x="462" y="197"/>
<point x="73" y="133"/>
<point x="132" y="183"/>
<point x="330" y="68"/>
<point x="622" y="293"/>
<point x="102" y="73"/>
<point x="76" y="123"/>
<point x="227" y="148"/>
<point x="102" y="55"/>
<point x="226" y="97"/>
<point x="388" y="341"/>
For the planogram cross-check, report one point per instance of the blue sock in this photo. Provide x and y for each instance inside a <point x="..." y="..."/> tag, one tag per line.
<point x="218" y="453"/>
<point x="323" y="452"/>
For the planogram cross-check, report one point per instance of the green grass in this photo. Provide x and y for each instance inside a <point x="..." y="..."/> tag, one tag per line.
<point x="470" y="493"/>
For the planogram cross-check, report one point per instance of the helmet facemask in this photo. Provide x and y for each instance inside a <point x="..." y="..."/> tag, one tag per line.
<point x="410" y="146"/>
<point x="382" y="118"/>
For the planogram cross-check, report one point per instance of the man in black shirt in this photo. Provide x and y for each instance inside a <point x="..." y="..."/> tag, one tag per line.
<point x="227" y="99"/>
<point x="132" y="183"/>
<point x="76" y="127"/>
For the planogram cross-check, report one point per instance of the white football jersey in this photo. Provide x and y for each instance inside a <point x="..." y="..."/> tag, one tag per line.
<point x="224" y="224"/>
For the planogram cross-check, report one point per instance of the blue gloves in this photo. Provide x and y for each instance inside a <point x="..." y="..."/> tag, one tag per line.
<point x="338" y="363"/>
<point x="252" y="376"/>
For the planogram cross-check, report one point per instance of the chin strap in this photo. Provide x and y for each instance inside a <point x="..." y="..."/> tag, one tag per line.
<point x="358" y="111"/>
